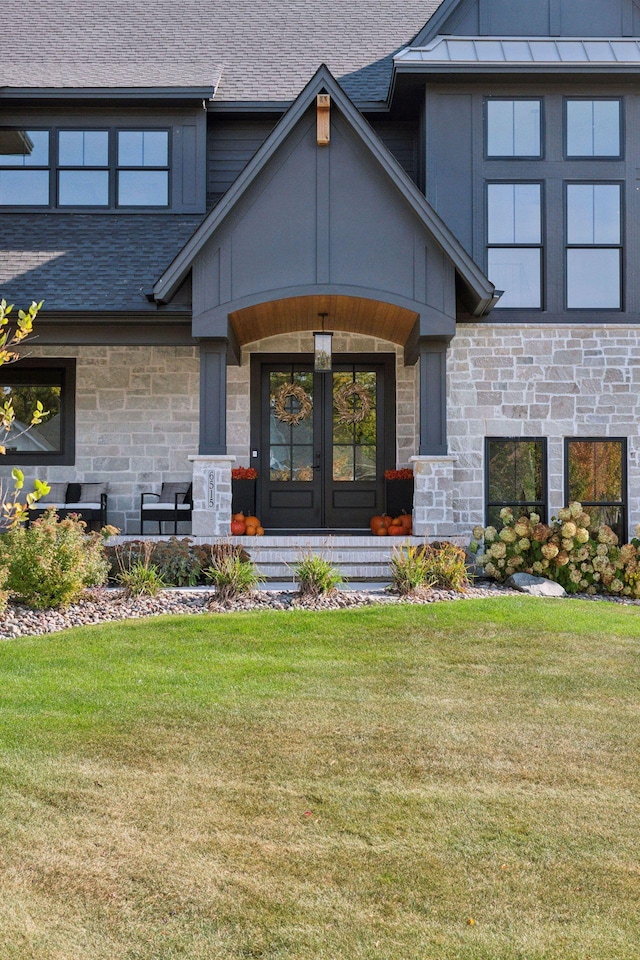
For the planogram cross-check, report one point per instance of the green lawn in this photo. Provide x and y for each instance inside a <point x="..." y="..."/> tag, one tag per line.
<point x="334" y="786"/>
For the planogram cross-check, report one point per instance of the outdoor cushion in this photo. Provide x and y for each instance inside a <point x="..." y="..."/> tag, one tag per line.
<point x="82" y="505"/>
<point x="56" y="496"/>
<point x="169" y="491"/>
<point x="161" y="505"/>
<point x="91" y="492"/>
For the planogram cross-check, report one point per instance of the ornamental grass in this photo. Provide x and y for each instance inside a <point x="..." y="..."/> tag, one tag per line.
<point x="581" y="556"/>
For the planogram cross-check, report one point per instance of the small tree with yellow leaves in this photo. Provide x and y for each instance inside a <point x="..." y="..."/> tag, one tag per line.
<point x="13" y="331"/>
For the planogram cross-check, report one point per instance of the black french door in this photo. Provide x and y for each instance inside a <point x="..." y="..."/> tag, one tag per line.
<point x="323" y="440"/>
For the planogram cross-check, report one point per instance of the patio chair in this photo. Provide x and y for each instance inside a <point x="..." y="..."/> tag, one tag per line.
<point x="87" y="500"/>
<point x="173" y="503"/>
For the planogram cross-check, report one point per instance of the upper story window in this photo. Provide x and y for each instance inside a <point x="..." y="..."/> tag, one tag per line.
<point x="143" y="168"/>
<point x="84" y="168"/>
<point x="514" y="238"/>
<point x="593" y="128"/>
<point x="594" y="246"/>
<point x="24" y="167"/>
<point x="513" y="128"/>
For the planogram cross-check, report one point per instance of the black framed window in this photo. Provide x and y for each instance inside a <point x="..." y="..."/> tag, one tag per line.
<point x="594" y="246"/>
<point x="513" y="128"/>
<point x="514" y="243"/>
<point x="516" y="477"/>
<point x="24" y="167"/>
<point x="52" y="382"/>
<point x="143" y="168"/>
<point x="593" y="128"/>
<point x="596" y="476"/>
<point x="89" y="168"/>
<point x="83" y="168"/>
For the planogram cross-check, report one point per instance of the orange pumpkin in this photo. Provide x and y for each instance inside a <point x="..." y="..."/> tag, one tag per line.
<point x="260" y="531"/>
<point x="252" y="521"/>
<point x="239" y="517"/>
<point x="251" y="530"/>
<point x="377" y="524"/>
<point x="238" y="528"/>
<point x="404" y="520"/>
<point x="396" y="530"/>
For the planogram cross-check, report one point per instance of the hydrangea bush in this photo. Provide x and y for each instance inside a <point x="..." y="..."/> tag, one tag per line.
<point x="581" y="556"/>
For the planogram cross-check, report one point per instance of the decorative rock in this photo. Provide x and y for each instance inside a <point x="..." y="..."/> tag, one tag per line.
<point x="535" y="586"/>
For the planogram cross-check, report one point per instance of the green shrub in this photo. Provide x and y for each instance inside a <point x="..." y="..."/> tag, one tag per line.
<point x="447" y="566"/>
<point x="410" y="570"/>
<point x="230" y="573"/>
<point x="581" y="556"/>
<point x="138" y="576"/>
<point x="51" y="562"/>
<point x="179" y="562"/>
<point x="316" y="576"/>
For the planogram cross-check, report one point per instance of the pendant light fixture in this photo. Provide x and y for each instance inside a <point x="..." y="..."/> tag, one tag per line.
<point x="322" y="349"/>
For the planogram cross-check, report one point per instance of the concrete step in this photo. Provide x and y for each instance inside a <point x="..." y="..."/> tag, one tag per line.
<point x="357" y="557"/>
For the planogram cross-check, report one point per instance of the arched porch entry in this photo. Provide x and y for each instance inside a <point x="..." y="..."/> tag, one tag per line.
<point x="321" y="441"/>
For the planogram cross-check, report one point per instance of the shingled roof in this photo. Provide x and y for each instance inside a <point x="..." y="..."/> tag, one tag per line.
<point x="87" y="261"/>
<point x="263" y="50"/>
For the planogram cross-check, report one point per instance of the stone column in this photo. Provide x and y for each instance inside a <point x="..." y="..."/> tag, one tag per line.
<point x="211" y="495"/>
<point x="433" y="496"/>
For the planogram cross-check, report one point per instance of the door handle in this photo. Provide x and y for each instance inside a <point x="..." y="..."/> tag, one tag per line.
<point x="318" y="461"/>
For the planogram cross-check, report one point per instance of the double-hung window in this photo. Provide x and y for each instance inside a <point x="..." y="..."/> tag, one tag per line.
<point x="594" y="246"/>
<point x="83" y="168"/>
<point x="24" y="168"/>
<point x="514" y="242"/>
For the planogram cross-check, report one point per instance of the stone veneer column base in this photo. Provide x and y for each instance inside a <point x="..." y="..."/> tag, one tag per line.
<point x="433" y="496"/>
<point x="211" y="495"/>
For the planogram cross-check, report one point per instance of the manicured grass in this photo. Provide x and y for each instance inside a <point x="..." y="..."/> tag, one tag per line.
<point x="333" y="786"/>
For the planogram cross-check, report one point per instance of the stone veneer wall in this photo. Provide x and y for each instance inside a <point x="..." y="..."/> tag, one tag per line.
<point x="510" y="380"/>
<point x="238" y="389"/>
<point x="136" y="422"/>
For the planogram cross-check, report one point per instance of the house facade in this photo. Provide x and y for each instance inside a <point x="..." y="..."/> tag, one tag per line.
<point x="448" y="189"/>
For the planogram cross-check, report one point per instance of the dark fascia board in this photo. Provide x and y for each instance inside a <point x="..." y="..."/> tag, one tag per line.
<point x="480" y="70"/>
<point x="279" y="107"/>
<point x="474" y="279"/>
<point x="133" y="94"/>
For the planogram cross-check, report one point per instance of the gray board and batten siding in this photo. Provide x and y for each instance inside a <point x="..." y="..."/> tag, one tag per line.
<point x="544" y="18"/>
<point x="458" y="171"/>
<point x="321" y="218"/>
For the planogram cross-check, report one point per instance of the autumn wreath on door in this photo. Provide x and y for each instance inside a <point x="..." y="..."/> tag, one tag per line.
<point x="298" y="396"/>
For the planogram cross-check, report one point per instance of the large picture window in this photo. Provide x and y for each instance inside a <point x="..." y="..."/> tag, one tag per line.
<point x="594" y="246"/>
<point x="514" y="242"/>
<point x="52" y="382"/>
<point x="516" y="477"/>
<point x="84" y="168"/>
<point x="596" y="476"/>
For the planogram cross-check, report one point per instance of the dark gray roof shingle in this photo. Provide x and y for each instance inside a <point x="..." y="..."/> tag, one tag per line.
<point x="263" y="49"/>
<point x="87" y="261"/>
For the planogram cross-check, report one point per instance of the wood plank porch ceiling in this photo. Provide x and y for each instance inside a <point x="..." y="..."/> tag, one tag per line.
<point x="349" y="314"/>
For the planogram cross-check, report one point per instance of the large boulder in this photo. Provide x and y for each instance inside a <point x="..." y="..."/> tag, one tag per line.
<point x="535" y="586"/>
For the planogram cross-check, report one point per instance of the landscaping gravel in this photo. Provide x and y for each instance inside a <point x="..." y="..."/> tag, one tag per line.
<point x="103" y="605"/>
